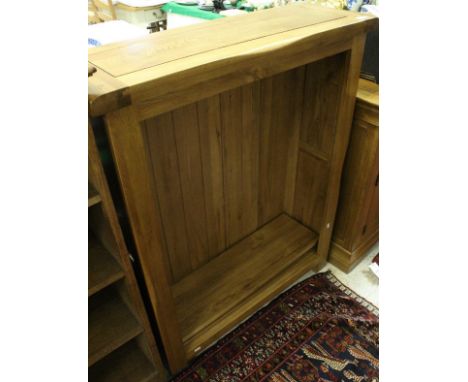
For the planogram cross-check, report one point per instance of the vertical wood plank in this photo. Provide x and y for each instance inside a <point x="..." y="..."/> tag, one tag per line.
<point x="350" y="74"/>
<point x="280" y="114"/>
<point x="296" y="101"/>
<point x="209" y="122"/>
<point x="250" y="156"/>
<point x="191" y="179"/>
<point x="240" y="159"/>
<point x="356" y="171"/>
<point x="272" y="165"/>
<point x="322" y="88"/>
<point x="311" y="184"/>
<point x="231" y="117"/>
<point x="165" y="167"/>
<point x="134" y="169"/>
<point x="266" y="121"/>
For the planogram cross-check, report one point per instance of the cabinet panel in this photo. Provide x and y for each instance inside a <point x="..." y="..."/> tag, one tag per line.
<point x="357" y="218"/>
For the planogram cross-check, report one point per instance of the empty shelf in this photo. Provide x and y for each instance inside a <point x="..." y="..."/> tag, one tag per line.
<point x="126" y="364"/>
<point x="110" y="325"/>
<point x="214" y="297"/>
<point x="103" y="269"/>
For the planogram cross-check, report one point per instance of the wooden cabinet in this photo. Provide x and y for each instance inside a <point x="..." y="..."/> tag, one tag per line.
<point x="229" y="150"/>
<point x="357" y="219"/>
<point x="121" y="346"/>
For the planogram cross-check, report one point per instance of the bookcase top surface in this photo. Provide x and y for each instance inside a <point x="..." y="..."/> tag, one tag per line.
<point x="203" y="48"/>
<point x="127" y="57"/>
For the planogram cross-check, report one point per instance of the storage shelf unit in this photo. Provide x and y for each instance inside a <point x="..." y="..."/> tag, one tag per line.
<point x="121" y="346"/>
<point x="228" y="149"/>
<point x="126" y="364"/>
<point x="110" y="325"/>
<point x="103" y="269"/>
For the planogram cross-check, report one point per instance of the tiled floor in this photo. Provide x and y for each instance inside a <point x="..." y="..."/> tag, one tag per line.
<point x="361" y="279"/>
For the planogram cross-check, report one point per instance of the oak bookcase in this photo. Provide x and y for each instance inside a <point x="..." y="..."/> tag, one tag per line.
<point x="121" y="346"/>
<point x="228" y="139"/>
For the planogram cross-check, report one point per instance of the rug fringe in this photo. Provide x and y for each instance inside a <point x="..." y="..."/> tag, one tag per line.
<point x="348" y="291"/>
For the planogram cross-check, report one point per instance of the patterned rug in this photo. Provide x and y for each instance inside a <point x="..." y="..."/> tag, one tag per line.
<point x="317" y="331"/>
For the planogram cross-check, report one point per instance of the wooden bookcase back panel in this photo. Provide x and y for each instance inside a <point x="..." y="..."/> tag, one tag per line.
<point x="220" y="166"/>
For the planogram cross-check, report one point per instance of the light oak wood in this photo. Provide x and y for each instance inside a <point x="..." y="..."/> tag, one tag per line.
<point x="116" y="311"/>
<point x="213" y="291"/>
<point x="357" y="221"/>
<point x="343" y="126"/>
<point x="263" y="295"/>
<point x="167" y="49"/>
<point x="218" y="140"/>
<point x="128" y="141"/>
<point x="207" y="73"/>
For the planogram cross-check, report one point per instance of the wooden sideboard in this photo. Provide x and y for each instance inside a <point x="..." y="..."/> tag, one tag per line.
<point x="357" y="219"/>
<point x="229" y="149"/>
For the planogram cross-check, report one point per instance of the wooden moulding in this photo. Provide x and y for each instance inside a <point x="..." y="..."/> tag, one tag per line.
<point x="347" y="260"/>
<point x="229" y="149"/>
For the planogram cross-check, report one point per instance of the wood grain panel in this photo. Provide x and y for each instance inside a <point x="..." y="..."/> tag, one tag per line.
<point x="121" y="58"/>
<point x="132" y="158"/>
<point x="209" y="121"/>
<point x="356" y="171"/>
<point x="188" y="150"/>
<point x="323" y="84"/>
<point x="250" y="156"/>
<point x="165" y="165"/>
<point x="240" y="160"/>
<point x="348" y="74"/>
<point x="228" y="281"/>
<point x="280" y="118"/>
<point x="311" y="182"/>
<point x="274" y="127"/>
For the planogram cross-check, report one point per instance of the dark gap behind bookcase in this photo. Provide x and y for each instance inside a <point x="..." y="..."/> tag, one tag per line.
<point x="370" y="61"/>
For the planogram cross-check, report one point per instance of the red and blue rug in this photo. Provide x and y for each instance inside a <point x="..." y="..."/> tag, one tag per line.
<point x="317" y="331"/>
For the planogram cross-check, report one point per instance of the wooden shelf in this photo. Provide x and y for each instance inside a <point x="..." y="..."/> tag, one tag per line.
<point x="110" y="325"/>
<point x="126" y="364"/>
<point x="232" y="286"/>
<point x="103" y="269"/>
<point x="93" y="196"/>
